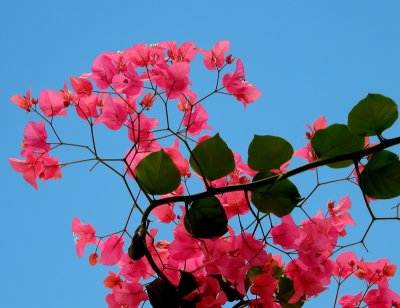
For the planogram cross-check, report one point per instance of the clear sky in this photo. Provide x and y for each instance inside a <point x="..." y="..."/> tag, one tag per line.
<point x="309" y="58"/>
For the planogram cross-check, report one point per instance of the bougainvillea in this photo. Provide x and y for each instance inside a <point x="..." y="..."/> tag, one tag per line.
<point x="234" y="238"/>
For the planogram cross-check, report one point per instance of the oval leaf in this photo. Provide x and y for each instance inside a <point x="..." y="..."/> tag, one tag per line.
<point x="137" y="249"/>
<point x="268" y="152"/>
<point x="158" y="174"/>
<point x="206" y="218"/>
<point x="372" y="115"/>
<point x="279" y="198"/>
<point x="336" y="140"/>
<point x="380" y="178"/>
<point x="212" y="158"/>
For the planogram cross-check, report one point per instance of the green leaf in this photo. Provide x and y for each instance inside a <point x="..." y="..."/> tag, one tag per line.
<point x="336" y="140"/>
<point x="286" y="291"/>
<point x="158" y="174"/>
<point x="268" y="152"/>
<point x="229" y="289"/>
<point x="187" y="284"/>
<point x="137" y="249"/>
<point x="279" y="198"/>
<point x="214" y="158"/>
<point x="380" y="178"/>
<point x="160" y="293"/>
<point x="372" y="115"/>
<point x="206" y="218"/>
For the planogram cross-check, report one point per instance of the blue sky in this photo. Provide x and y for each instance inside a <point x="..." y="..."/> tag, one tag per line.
<point x="309" y="58"/>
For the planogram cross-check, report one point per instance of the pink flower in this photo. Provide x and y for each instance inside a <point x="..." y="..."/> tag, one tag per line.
<point x="216" y="57"/>
<point x="181" y="163"/>
<point x="350" y="301"/>
<point x="84" y="235"/>
<point x="103" y="70"/>
<point x="339" y="214"/>
<point x="382" y="297"/>
<point x="111" y="250"/>
<point x="112" y="280"/>
<point x="114" y="113"/>
<point x="236" y="85"/>
<point x="24" y="102"/>
<point x="174" y="78"/>
<point x="265" y="286"/>
<point x="81" y="86"/>
<point x="196" y="121"/>
<point x="185" y="53"/>
<point x="128" y="82"/>
<point x="30" y="168"/>
<point x="52" y="103"/>
<point x="86" y="106"/>
<point x="287" y="234"/>
<point x="307" y="152"/>
<point x="129" y="294"/>
<point x="35" y="138"/>
<point x="345" y="264"/>
<point x="209" y="291"/>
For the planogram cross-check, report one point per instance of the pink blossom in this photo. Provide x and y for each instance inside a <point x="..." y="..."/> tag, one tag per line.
<point x="24" y="102"/>
<point x="209" y="291"/>
<point x="236" y="85"/>
<point x="185" y="53"/>
<point x="86" y="106"/>
<point x="350" y="301"/>
<point x="287" y="234"/>
<point x="103" y="70"/>
<point x="129" y="294"/>
<point x="196" y="121"/>
<point x="174" y="78"/>
<point x="128" y="82"/>
<point x="345" y="264"/>
<point x="35" y="138"/>
<point x="52" y="103"/>
<point x="216" y="57"/>
<point x="30" y="168"/>
<point x="111" y="250"/>
<point x="265" y="286"/>
<point x="340" y="217"/>
<point x="133" y="270"/>
<point x="81" y="86"/>
<point x="85" y="235"/>
<point x="113" y="113"/>
<point x="382" y="297"/>
<point x="181" y="163"/>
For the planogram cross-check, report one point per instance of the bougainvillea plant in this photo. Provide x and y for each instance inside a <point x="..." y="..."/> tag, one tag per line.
<point x="233" y="236"/>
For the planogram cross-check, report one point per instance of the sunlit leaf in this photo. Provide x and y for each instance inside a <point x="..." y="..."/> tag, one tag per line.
<point x="380" y="178"/>
<point x="213" y="158"/>
<point x="372" y="115"/>
<point x="158" y="174"/>
<point x="279" y="198"/>
<point x="268" y="152"/>
<point x="336" y="140"/>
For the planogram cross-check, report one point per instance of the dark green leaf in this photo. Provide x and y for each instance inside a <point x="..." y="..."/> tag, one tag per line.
<point x="187" y="284"/>
<point x="228" y="288"/>
<point x="336" y="140"/>
<point x="286" y="291"/>
<point x="158" y="174"/>
<point x="372" y="115"/>
<point x="161" y="293"/>
<point x="380" y="178"/>
<point x="137" y="249"/>
<point x="268" y="152"/>
<point x="279" y="198"/>
<point x="214" y="158"/>
<point x="206" y="218"/>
